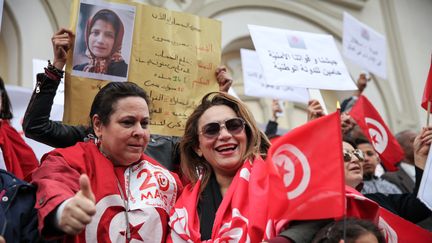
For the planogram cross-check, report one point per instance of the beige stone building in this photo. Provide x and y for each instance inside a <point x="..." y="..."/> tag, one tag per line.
<point x="27" y="26"/>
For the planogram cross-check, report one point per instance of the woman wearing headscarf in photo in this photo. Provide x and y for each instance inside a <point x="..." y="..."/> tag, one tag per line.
<point x="103" y="37"/>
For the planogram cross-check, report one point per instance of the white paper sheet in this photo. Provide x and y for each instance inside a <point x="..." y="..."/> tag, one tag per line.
<point x="300" y="59"/>
<point x="255" y="85"/>
<point x="364" y="46"/>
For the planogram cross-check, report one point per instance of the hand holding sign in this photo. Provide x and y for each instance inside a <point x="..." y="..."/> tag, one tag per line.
<point x="79" y="210"/>
<point x="421" y="147"/>
<point x="314" y="110"/>
<point x="62" y="42"/>
<point x="224" y="79"/>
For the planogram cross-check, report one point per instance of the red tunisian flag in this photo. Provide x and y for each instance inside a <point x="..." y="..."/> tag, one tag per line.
<point x="251" y="209"/>
<point x="427" y="93"/>
<point x="309" y="158"/>
<point x="394" y="228"/>
<point x="373" y="126"/>
<point x="399" y="230"/>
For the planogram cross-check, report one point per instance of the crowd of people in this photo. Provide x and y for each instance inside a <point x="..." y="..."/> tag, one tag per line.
<point x="113" y="181"/>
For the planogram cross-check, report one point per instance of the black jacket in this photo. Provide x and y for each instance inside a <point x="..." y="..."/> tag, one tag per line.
<point x="39" y="127"/>
<point x="406" y="205"/>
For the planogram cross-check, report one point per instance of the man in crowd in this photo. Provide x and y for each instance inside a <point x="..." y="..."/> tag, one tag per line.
<point x="371" y="182"/>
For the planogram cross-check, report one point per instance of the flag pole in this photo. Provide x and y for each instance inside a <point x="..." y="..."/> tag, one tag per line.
<point x="428" y="112"/>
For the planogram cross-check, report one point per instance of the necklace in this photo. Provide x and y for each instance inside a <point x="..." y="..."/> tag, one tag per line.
<point x="126" y="204"/>
<point x="124" y="199"/>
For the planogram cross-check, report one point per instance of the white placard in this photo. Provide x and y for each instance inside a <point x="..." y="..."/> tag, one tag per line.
<point x="364" y="46"/>
<point x="425" y="192"/>
<point x="255" y="84"/>
<point x="300" y="59"/>
<point x="1" y="12"/>
<point x="19" y="98"/>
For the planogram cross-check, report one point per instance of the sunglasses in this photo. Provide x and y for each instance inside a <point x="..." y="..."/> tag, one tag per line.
<point x="357" y="153"/>
<point x="233" y="126"/>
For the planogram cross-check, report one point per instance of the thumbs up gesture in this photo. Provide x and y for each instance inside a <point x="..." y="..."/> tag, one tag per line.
<point x="78" y="212"/>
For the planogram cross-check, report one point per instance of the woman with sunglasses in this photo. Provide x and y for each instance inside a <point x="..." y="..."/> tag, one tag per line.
<point x="405" y="205"/>
<point x="221" y="155"/>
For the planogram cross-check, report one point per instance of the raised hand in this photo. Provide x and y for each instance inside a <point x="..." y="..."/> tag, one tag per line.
<point x="421" y="147"/>
<point x="79" y="210"/>
<point x="276" y="108"/>
<point x="223" y="78"/>
<point x="362" y="82"/>
<point x="314" y="110"/>
<point x="62" y="42"/>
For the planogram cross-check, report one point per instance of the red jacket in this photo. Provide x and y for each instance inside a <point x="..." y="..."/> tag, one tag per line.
<point x="150" y="189"/>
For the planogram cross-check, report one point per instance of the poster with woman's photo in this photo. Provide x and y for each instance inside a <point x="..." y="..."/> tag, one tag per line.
<point x="103" y="40"/>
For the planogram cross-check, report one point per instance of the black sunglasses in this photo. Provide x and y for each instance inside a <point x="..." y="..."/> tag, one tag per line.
<point x="233" y="126"/>
<point x="357" y="153"/>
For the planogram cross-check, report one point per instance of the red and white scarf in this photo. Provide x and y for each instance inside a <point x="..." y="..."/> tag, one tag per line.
<point x="244" y="215"/>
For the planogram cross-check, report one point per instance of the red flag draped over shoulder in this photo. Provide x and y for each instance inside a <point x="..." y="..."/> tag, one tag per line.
<point x="251" y="210"/>
<point x="373" y="126"/>
<point x="427" y="93"/>
<point x="309" y="158"/>
<point x="18" y="156"/>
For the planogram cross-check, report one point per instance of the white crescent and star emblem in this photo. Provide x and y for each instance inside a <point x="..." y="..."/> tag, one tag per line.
<point x="234" y="230"/>
<point x="109" y="223"/>
<point x="294" y="167"/>
<point x="388" y="232"/>
<point x="379" y="137"/>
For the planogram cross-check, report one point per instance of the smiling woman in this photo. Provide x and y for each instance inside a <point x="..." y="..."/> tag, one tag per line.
<point x="107" y="189"/>
<point x="222" y="153"/>
<point x="103" y="38"/>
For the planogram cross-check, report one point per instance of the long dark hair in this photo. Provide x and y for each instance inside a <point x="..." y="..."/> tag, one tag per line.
<point x="6" y="107"/>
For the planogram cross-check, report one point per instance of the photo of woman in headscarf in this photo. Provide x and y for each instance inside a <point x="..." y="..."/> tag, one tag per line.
<point x="103" y="39"/>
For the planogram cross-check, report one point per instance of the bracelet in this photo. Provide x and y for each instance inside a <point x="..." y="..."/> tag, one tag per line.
<point x="53" y="71"/>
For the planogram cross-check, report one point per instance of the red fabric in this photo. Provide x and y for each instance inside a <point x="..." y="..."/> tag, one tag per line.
<point x="360" y="206"/>
<point x="309" y="158"/>
<point x="250" y="211"/>
<point x="394" y="228"/>
<point x="18" y="156"/>
<point x="427" y="93"/>
<point x="57" y="179"/>
<point x="399" y="230"/>
<point x="373" y="126"/>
